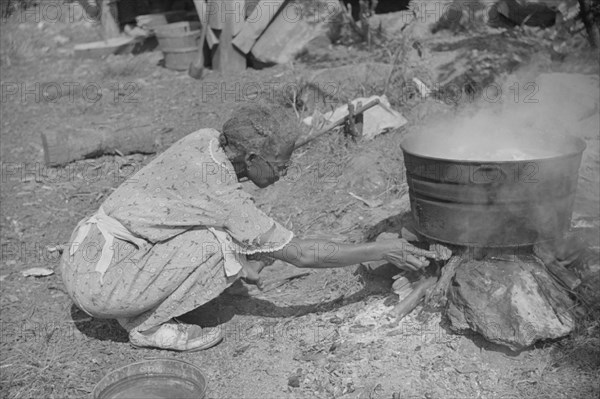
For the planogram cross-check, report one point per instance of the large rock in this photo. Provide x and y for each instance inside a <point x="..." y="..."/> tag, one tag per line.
<point x="511" y="303"/>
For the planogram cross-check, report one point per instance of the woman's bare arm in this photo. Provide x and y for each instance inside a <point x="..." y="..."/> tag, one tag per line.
<point x="328" y="254"/>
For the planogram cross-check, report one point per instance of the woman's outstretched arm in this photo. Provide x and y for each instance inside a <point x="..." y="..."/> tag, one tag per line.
<point x="328" y="254"/>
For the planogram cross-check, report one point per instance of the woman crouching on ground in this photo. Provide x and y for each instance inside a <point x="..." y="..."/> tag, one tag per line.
<point x="182" y="230"/>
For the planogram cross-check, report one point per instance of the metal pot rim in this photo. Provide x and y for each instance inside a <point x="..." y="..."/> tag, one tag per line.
<point x="579" y="144"/>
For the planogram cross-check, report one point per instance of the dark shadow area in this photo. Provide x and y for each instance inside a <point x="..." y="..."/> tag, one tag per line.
<point x="101" y="329"/>
<point x="145" y="45"/>
<point x="223" y="308"/>
<point x="392" y="224"/>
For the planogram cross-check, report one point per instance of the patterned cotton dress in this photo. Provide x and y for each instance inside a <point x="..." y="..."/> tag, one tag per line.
<point x="169" y="239"/>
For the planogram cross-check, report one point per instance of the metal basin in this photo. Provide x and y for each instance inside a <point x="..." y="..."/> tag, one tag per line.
<point x="490" y="202"/>
<point x="153" y="379"/>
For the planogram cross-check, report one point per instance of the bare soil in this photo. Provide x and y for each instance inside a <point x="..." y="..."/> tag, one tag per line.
<point x="325" y="335"/>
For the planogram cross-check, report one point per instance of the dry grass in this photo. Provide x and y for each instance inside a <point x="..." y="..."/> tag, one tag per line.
<point x="116" y="67"/>
<point x="16" y="47"/>
<point x="67" y="361"/>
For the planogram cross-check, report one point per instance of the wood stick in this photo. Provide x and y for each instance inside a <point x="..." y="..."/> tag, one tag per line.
<point x="109" y="19"/>
<point x="566" y="276"/>
<point x="591" y="27"/>
<point x="558" y="271"/>
<point x="413" y="299"/>
<point x="339" y="122"/>
<point x="196" y="68"/>
<point x="438" y="296"/>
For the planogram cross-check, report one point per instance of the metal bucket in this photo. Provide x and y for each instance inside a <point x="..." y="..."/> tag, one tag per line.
<point x="493" y="203"/>
<point x="156" y="378"/>
<point x="178" y="36"/>
<point x="179" y="59"/>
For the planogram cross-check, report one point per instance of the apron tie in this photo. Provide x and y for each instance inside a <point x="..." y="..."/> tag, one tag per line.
<point x="110" y="228"/>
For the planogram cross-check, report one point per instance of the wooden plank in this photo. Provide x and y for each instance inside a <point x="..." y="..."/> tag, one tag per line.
<point x="228" y="59"/>
<point x="256" y="23"/>
<point x="214" y="10"/>
<point x="102" y="48"/>
<point x="290" y="31"/>
<point x="203" y="13"/>
<point x="211" y="38"/>
<point x="109" y="19"/>
<point x="201" y="9"/>
<point x="196" y="69"/>
<point x="220" y="10"/>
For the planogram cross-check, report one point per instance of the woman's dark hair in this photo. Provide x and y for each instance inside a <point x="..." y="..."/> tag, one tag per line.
<point x="266" y="130"/>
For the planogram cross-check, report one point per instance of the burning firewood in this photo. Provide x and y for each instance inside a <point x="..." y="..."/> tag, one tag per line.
<point x="412" y="300"/>
<point x="438" y="296"/>
<point x="558" y="271"/>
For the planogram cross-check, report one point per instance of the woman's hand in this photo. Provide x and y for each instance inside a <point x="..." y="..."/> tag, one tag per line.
<point x="406" y="256"/>
<point x="250" y="272"/>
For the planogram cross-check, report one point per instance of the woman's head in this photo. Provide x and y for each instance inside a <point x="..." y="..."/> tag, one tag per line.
<point x="261" y="138"/>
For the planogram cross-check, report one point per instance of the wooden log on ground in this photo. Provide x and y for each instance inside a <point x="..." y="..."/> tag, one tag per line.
<point x="70" y="144"/>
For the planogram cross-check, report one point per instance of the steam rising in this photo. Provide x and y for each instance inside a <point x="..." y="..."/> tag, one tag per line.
<point x="488" y="135"/>
<point x="543" y="131"/>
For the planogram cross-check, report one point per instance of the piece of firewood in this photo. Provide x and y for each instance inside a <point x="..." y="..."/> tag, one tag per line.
<point x="68" y="144"/>
<point x="412" y="300"/>
<point x="438" y="296"/>
<point x="558" y="271"/>
<point x="591" y="26"/>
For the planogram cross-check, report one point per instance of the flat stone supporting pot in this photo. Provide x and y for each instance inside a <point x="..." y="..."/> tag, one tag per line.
<point x="512" y="302"/>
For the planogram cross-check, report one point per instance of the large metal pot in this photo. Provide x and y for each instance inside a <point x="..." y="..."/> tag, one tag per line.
<point x="493" y="203"/>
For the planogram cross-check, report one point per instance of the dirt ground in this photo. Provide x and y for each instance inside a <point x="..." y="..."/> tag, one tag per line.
<point x="327" y="331"/>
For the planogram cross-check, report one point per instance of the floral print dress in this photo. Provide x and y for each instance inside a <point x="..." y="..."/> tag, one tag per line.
<point x="169" y="239"/>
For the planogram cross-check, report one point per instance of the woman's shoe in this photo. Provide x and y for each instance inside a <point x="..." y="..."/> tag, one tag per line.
<point x="177" y="336"/>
